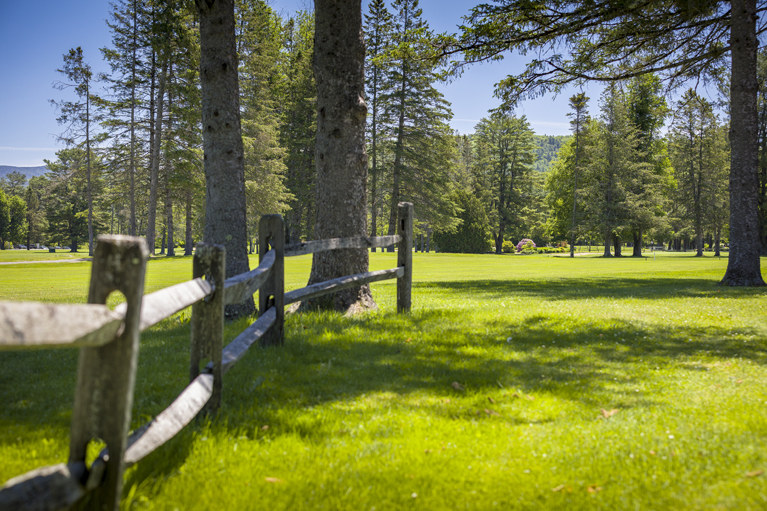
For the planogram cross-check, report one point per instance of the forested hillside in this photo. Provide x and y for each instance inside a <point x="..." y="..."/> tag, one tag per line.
<point x="548" y="147"/>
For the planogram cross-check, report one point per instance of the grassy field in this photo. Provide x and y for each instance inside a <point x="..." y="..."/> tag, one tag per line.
<point x="517" y="382"/>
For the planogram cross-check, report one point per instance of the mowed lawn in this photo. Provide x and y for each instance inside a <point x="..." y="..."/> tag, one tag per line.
<point x="517" y="382"/>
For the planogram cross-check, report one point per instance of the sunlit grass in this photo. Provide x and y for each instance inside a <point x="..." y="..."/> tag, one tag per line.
<point x="530" y="382"/>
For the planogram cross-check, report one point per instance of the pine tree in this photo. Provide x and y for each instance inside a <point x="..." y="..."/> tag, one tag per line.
<point x="647" y="111"/>
<point x="699" y="154"/>
<point x="378" y="28"/>
<point x="298" y="125"/>
<point x="613" y="157"/>
<point x="508" y="154"/>
<point x="79" y="118"/>
<point x="225" y="211"/>
<point x="579" y="118"/>
<point x="260" y="37"/>
<point x="126" y="57"/>
<point x="424" y="150"/>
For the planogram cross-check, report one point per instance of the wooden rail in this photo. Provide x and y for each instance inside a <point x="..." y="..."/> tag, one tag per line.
<point x="109" y="343"/>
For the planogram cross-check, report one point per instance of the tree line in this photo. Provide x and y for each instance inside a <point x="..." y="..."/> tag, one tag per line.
<point x="135" y="147"/>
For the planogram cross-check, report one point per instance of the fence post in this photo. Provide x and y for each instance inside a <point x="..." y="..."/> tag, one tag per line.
<point x="271" y="232"/>
<point x="207" y="340"/>
<point x="405" y="255"/>
<point x="106" y="375"/>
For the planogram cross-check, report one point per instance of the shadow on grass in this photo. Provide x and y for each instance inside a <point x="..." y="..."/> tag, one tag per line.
<point x="407" y="361"/>
<point x="578" y="288"/>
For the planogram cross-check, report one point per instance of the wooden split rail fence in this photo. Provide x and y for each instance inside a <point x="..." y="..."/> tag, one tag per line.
<point x="109" y="346"/>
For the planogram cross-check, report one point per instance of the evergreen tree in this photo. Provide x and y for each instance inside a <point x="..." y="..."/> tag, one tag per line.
<point x="473" y="234"/>
<point x="608" y="42"/>
<point x="645" y="198"/>
<point x="79" y="118"/>
<point x="298" y="125"/>
<point x="507" y="158"/>
<point x="614" y="155"/>
<point x="699" y="153"/>
<point x="127" y="58"/>
<point x="378" y="29"/>
<point x="579" y="118"/>
<point x="66" y="207"/>
<point x="424" y="150"/>
<point x="36" y="223"/>
<point x="260" y="38"/>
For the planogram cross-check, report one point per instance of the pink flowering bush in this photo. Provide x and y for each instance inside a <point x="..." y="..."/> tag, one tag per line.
<point x="526" y="244"/>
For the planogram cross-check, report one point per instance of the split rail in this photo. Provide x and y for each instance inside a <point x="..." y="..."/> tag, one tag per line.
<point x="109" y="343"/>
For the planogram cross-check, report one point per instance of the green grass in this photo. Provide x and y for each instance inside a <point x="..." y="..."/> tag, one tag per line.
<point x="517" y="382"/>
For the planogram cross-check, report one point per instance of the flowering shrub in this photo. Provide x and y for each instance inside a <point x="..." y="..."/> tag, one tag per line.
<point x="526" y="244"/>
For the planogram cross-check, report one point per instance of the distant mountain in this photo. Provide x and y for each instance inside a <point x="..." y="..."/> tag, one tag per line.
<point x="548" y="147"/>
<point x="29" y="172"/>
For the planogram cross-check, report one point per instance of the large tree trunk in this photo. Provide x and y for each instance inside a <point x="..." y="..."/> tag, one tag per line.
<point x="637" y="252"/>
<point x="608" y="242"/>
<point x="743" y="264"/>
<point x="222" y="141"/>
<point x="339" y="56"/>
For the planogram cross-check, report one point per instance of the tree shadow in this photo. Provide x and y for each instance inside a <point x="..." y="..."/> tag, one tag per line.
<point x="579" y="288"/>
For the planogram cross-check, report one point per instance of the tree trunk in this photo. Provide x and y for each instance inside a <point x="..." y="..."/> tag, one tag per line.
<point x="188" y="225"/>
<point x="339" y="56"/>
<point x="608" y="242"/>
<point x="88" y="164"/>
<point x="225" y="218"/>
<point x="743" y="263"/>
<point x="617" y="243"/>
<point x="716" y="242"/>
<point x="637" y="252"/>
<point x="154" y="164"/>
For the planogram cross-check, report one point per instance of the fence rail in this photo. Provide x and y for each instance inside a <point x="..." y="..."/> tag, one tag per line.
<point x="109" y="343"/>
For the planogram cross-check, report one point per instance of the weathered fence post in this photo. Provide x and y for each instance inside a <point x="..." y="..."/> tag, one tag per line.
<point x="271" y="232"/>
<point x="405" y="255"/>
<point x="208" y="318"/>
<point x="106" y="375"/>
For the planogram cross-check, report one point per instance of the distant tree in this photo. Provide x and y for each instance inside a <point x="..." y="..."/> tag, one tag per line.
<point x="79" y="118"/>
<point x="36" y="222"/>
<point x="5" y="219"/>
<point x="17" y="210"/>
<point x="423" y="147"/>
<point x="678" y="38"/>
<point x="647" y="111"/>
<point x="699" y="155"/>
<point x="578" y="118"/>
<point x="298" y="125"/>
<point x="260" y="38"/>
<point x="339" y="58"/>
<point x="614" y="155"/>
<point x="66" y="208"/>
<point x="506" y="155"/>
<point x="473" y="234"/>
<point x="225" y="221"/>
<point x="14" y="183"/>
<point x="378" y="29"/>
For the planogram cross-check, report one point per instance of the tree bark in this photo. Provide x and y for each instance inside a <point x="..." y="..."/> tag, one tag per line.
<point x="743" y="265"/>
<point x="188" y="241"/>
<point x="637" y="252"/>
<point x="225" y="220"/>
<point x="339" y="56"/>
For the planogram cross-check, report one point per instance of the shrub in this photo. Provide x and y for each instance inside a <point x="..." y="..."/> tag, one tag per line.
<point x="508" y="247"/>
<point x="526" y="245"/>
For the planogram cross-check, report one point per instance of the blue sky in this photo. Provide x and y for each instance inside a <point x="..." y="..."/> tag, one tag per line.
<point x="35" y="35"/>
